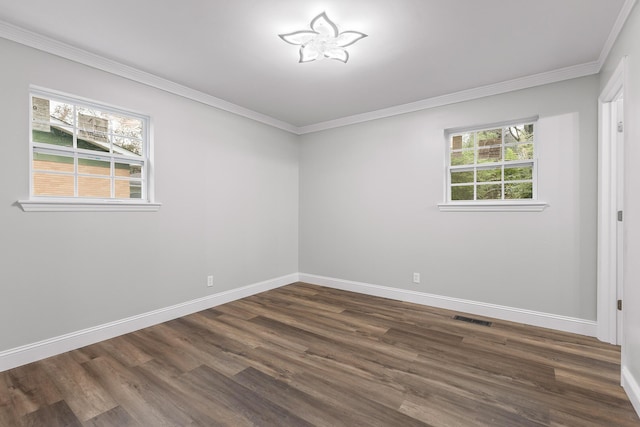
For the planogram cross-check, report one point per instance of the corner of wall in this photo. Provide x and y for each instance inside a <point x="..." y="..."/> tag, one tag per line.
<point x="50" y="347"/>
<point x="511" y="314"/>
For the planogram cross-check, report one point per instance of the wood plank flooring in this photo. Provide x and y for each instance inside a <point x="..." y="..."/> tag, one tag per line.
<point x="304" y="355"/>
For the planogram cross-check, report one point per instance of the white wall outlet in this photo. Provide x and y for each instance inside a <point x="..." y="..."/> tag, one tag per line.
<point x="416" y="277"/>
<point x="209" y="281"/>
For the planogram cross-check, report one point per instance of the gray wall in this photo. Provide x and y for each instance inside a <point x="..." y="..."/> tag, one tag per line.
<point x="242" y="200"/>
<point x="229" y="189"/>
<point x="628" y="43"/>
<point x="368" y="196"/>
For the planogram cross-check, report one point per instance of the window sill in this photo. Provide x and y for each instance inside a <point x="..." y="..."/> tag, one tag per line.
<point x="497" y="206"/>
<point x="86" y="206"/>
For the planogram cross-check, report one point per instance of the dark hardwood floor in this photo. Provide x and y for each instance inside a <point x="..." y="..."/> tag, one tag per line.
<point x="304" y="355"/>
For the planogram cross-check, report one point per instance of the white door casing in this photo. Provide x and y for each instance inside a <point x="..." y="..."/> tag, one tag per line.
<point x="609" y="181"/>
<point x="618" y="113"/>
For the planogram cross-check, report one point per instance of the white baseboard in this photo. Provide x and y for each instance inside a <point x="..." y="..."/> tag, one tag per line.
<point x="529" y="317"/>
<point x="632" y="387"/>
<point x="52" y="346"/>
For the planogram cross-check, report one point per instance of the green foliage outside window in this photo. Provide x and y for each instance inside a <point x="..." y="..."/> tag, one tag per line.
<point x="493" y="164"/>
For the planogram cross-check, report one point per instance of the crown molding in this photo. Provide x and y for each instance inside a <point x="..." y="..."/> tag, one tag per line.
<point x="615" y="31"/>
<point x="465" y="95"/>
<point x="49" y="45"/>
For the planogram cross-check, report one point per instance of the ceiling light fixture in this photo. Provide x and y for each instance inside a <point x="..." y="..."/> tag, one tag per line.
<point x="323" y="41"/>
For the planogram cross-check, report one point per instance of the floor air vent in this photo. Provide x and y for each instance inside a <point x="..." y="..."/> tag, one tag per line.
<point x="470" y="320"/>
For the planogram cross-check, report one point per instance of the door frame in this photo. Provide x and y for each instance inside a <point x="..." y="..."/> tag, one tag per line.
<point x="607" y="296"/>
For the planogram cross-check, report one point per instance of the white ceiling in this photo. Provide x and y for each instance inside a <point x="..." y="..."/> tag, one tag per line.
<point x="416" y="49"/>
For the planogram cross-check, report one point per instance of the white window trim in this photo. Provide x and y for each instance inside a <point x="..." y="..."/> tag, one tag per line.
<point x="86" y="206"/>
<point x="68" y="204"/>
<point x="494" y="206"/>
<point x="533" y="205"/>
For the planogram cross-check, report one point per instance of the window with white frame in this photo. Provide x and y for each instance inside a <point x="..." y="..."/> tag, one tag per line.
<point x="493" y="163"/>
<point x="82" y="151"/>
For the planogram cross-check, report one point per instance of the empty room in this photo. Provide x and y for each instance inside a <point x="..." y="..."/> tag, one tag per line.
<point x="320" y="213"/>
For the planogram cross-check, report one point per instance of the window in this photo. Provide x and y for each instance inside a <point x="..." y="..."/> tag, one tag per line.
<point x="88" y="154"/>
<point x="492" y="165"/>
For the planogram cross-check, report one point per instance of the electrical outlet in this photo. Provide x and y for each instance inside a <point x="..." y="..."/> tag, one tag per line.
<point x="416" y="277"/>
<point x="209" y="281"/>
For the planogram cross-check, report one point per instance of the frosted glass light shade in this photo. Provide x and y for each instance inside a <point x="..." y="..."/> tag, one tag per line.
<point x="323" y="40"/>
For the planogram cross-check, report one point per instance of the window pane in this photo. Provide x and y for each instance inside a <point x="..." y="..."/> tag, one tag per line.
<point x="93" y="128"/>
<point x="490" y="137"/>
<point x="487" y="175"/>
<point x="461" y="177"/>
<point x="519" y="152"/>
<point x="48" y="184"/>
<point x="94" y="167"/>
<point x="92" y="133"/>
<point x="106" y="122"/>
<point x="459" y="158"/>
<point x="129" y="170"/>
<point x="489" y="192"/>
<point x="128" y="146"/>
<point x="490" y="155"/>
<point x="519" y="190"/>
<point x="94" y="187"/>
<point x="518" y="173"/>
<point x="128" y="189"/>
<point x="49" y="112"/>
<point x="40" y="113"/>
<point x="55" y="135"/>
<point x="136" y="189"/>
<point x="50" y="162"/>
<point x="520" y="133"/>
<point x="61" y="112"/>
<point x="462" y="192"/>
<point x="459" y="142"/>
<point x="125" y="126"/>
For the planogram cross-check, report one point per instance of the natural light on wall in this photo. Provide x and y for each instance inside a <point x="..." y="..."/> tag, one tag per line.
<point x="323" y="40"/>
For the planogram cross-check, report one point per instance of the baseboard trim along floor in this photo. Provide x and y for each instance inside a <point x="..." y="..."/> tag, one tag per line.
<point x="50" y="347"/>
<point x="528" y="317"/>
<point x="631" y="387"/>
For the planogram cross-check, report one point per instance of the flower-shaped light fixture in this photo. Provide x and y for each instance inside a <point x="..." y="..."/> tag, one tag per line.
<point x="323" y="41"/>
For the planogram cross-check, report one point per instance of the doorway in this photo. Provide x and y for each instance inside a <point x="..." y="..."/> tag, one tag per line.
<point x="617" y="114"/>
<point x="611" y="209"/>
